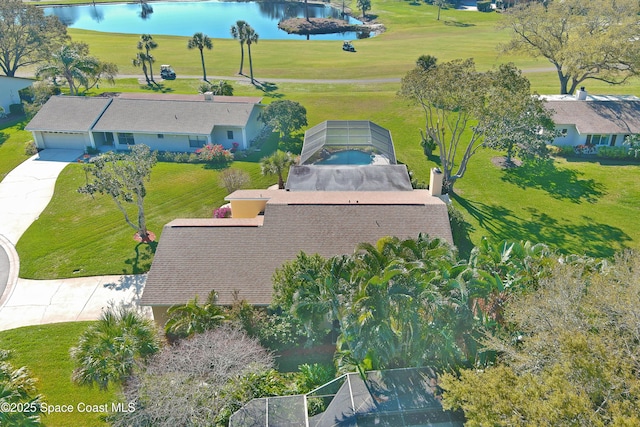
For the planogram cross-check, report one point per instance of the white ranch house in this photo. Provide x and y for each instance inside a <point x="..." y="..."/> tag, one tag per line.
<point x="9" y="88"/>
<point x="180" y="123"/>
<point x="599" y="120"/>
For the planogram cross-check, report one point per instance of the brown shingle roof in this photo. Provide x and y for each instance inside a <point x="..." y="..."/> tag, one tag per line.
<point x="598" y="117"/>
<point x="193" y="259"/>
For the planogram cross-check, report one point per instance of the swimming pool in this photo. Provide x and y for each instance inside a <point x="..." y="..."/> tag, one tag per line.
<point x="347" y="157"/>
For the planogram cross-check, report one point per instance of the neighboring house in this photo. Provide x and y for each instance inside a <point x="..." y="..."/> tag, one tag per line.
<point x="163" y="122"/>
<point x="9" y="88"/>
<point x="329" y="214"/>
<point x="599" y="120"/>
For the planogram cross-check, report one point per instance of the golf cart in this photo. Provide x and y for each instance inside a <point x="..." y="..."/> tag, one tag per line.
<point x="167" y="73"/>
<point x="348" y="46"/>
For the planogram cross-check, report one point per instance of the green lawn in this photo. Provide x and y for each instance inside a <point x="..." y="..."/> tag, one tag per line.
<point x="13" y="141"/>
<point x="45" y="351"/>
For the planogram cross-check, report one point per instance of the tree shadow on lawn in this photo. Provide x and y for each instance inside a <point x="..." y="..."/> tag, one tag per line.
<point x="3" y="138"/>
<point x="141" y="261"/>
<point x="157" y="87"/>
<point x="268" y="88"/>
<point x="586" y="237"/>
<point x="458" y="24"/>
<point x="559" y="183"/>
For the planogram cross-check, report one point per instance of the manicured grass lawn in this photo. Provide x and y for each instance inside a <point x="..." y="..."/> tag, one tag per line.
<point x="13" y="141"/>
<point x="78" y="235"/>
<point x="45" y="351"/>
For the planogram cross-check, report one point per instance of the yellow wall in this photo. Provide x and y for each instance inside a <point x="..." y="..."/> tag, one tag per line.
<point x="247" y="208"/>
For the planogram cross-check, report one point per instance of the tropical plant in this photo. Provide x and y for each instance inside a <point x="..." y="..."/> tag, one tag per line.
<point x="238" y="33"/>
<point x="141" y="61"/>
<point x="251" y="37"/>
<point x="110" y="348"/>
<point x="73" y="63"/>
<point x="122" y="176"/>
<point x="27" y="36"/>
<point x="364" y="5"/>
<point x="277" y="164"/>
<point x="194" y="318"/>
<point x="146" y="44"/>
<point x="201" y="41"/>
<point x="18" y="389"/>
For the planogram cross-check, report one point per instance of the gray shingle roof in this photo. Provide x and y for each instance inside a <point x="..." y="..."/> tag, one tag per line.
<point x="598" y="117"/>
<point x="349" y="178"/>
<point x="68" y="114"/>
<point x="171" y="116"/>
<point x="192" y="259"/>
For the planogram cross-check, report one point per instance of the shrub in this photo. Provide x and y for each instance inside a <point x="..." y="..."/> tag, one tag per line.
<point x="223" y="212"/>
<point x="17" y="387"/>
<point x="30" y="148"/>
<point x="614" y="153"/>
<point x="214" y="154"/>
<point x="234" y="179"/>
<point x="484" y="6"/>
<point x="16" y="109"/>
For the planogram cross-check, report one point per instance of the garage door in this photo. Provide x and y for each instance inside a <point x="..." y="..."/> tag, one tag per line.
<point x="74" y="141"/>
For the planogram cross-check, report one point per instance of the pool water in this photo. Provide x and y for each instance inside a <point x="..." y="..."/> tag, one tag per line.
<point x="347" y="157"/>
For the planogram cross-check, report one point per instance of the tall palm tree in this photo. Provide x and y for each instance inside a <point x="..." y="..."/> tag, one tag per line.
<point x="141" y="61"/>
<point x="147" y="43"/>
<point x="276" y="164"/>
<point x="251" y="38"/>
<point x="201" y="41"/>
<point x="238" y="33"/>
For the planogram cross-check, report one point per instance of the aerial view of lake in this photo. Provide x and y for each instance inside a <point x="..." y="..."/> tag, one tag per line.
<point x="214" y="18"/>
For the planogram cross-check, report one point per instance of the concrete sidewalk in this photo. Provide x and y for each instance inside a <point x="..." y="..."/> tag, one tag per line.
<point x="24" y="193"/>
<point x="37" y="302"/>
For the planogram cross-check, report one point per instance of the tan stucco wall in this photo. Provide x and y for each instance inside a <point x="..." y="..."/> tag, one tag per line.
<point x="247" y="208"/>
<point x="160" y="315"/>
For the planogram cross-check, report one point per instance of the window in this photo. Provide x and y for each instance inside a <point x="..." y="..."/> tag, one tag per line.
<point x="229" y="134"/>
<point x="197" y="141"/>
<point x="160" y="136"/>
<point x="600" y="139"/>
<point x="126" y="139"/>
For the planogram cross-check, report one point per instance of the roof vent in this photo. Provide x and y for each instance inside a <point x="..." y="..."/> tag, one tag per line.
<point x="208" y="96"/>
<point x="581" y="95"/>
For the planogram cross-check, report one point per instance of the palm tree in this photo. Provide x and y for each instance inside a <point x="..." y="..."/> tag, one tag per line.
<point x="109" y="349"/>
<point x="141" y="61"/>
<point x="147" y="43"/>
<point x="18" y="387"/>
<point x="276" y="164"/>
<point x="251" y="38"/>
<point x="192" y="317"/>
<point x="73" y="63"/>
<point x="201" y="41"/>
<point x="238" y="33"/>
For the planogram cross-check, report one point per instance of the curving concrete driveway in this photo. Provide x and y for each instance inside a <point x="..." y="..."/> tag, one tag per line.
<point x="24" y="194"/>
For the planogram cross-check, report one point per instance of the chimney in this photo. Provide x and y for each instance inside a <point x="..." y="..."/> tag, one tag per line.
<point x="208" y="96"/>
<point x="581" y="95"/>
<point x="435" y="182"/>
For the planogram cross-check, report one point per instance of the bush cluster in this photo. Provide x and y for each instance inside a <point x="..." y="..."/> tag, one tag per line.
<point x="212" y="154"/>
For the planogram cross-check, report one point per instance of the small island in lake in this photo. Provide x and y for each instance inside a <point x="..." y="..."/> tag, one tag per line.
<point x="320" y="26"/>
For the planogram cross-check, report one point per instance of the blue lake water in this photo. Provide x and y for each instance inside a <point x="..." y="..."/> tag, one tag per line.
<point x="214" y="18"/>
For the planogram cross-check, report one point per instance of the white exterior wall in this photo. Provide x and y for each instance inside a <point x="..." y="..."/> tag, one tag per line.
<point x="219" y="136"/>
<point x="167" y="143"/>
<point x="254" y="125"/>
<point x="9" y="88"/>
<point x="574" y="138"/>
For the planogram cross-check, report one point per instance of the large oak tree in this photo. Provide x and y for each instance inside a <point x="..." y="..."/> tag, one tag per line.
<point x="27" y="37"/>
<point x="595" y="39"/>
